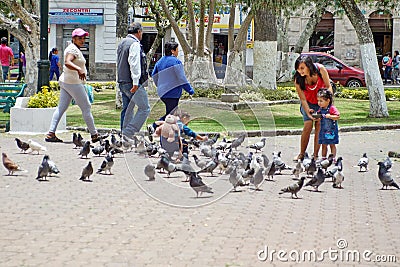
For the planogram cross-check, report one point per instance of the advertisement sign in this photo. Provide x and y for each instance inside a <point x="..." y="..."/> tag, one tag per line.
<point x="90" y="16"/>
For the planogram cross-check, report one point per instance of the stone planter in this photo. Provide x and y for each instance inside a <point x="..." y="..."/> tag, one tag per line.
<point x="32" y="120"/>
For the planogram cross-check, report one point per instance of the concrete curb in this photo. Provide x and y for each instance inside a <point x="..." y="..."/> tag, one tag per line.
<point x="268" y="132"/>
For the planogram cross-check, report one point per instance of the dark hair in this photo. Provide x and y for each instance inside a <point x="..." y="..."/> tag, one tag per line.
<point x="325" y="94"/>
<point x="3" y="40"/>
<point x="51" y="52"/>
<point x="301" y="80"/>
<point x="396" y="52"/>
<point x="169" y="46"/>
<point x="135" y="28"/>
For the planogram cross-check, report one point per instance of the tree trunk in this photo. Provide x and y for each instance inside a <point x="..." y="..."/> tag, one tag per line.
<point x="210" y="25"/>
<point x="377" y="99"/>
<point x="122" y="18"/>
<point x="182" y="40"/>
<point x="315" y="18"/>
<point x="265" y="48"/>
<point x="192" y="24"/>
<point x="199" y="70"/>
<point x="200" y="45"/>
<point x="231" y="27"/>
<point x="284" y="67"/>
<point x="235" y="69"/>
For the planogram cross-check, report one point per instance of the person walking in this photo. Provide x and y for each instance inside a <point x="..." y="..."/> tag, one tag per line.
<point x="396" y="67"/>
<point x="132" y="75"/>
<point x="308" y="79"/>
<point x="72" y="82"/>
<point x="54" y="63"/>
<point x="169" y="77"/>
<point x="6" y="58"/>
<point x="387" y="67"/>
<point x="21" y="66"/>
<point x="329" y="133"/>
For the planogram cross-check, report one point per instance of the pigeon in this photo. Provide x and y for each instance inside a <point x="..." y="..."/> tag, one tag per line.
<point x="85" y="150"/>
<point x="10" y="165"/>
<point x="324" y="164"/>
<point x="266" y="160"/>
<point x="331" y="172"/>
<point x="311" y="167"/>
<point x="363" y="162"/>
<point x="317" y="180"/>
<point x="53" y="167"/>
<point x="222" y="144"/>
<point x="388" y="163"/>
<point x="86" y="172"/>
<point x="238" y="141"/>
<point x="259" y="145"/>
<point x="212" y="141"/>
<point x="98" y="150"/>
<point x="279" y="164"/>
<point x="150" y="171"/>
<point x="306" y="160"/>
<point x="258" y="178"/>
<point x="385" y="177"/>
<point x="338" y="176"/>
<point x="44" y="169"/>
<point x="114" y="142"/>
<point x="298" y="169"/>
<point x="234" y="178"/>
<point x="106" y="165"/>
<point x="107" y="146"/>
<point x="271" y="171"/>
<point x="196" y="183"/>
<point x="35" y="146"/>
<point x="199" y="163"/>
<point x="166" y="164"/>
<point x="116" y="150"/>
<point x="294" y="188"/>
<point x="77" y="140"/>
<point x="22" y="145"/>
<point x="210" y="166"/>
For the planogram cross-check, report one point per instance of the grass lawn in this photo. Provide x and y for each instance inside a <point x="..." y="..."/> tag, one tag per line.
<point x="209" y="119"/>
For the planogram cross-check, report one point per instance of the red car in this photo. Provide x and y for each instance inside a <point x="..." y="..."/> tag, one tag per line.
<point x="338" y="70"/>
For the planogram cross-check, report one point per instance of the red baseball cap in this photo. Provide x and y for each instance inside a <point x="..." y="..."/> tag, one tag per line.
<point x="79" y="32"/>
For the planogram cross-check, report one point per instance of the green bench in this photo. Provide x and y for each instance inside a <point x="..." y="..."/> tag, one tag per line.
<point x="8" y="96"/>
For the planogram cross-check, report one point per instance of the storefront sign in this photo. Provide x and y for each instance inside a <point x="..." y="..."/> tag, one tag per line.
<point x="89" y="16"/>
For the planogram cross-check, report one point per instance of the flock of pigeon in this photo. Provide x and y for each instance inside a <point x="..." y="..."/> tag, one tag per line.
<point x="254" y="168"/>
<point x="212" y="156"/>
<point x="47" y="167"/>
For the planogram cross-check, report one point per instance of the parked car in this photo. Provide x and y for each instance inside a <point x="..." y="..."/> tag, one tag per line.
<point x="338" y="70"/>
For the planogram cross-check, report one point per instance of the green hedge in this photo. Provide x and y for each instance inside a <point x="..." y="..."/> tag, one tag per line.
<point x="259" y="94"/>
<point x="362" y="94"/>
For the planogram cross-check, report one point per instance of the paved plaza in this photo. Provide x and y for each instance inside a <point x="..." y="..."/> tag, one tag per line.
<point x="124" y="220"/>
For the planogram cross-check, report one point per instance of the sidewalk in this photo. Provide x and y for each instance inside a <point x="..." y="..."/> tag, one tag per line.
<point x="124" y="220"/>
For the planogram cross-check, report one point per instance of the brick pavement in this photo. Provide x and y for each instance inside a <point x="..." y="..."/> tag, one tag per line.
<point x="123" y="220"/>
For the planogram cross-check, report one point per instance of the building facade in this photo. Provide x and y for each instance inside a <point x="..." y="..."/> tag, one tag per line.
<point x="99" y="19"/>
<point x="96" y="17"/>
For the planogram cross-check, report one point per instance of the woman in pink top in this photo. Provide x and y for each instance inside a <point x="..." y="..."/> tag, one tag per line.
<point x="308" y="79"/>
<point x="72" y="82"/>
<point x="6" y="57"/>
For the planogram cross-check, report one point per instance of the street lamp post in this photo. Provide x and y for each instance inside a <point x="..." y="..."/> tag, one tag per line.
<point x="43" y="63"/>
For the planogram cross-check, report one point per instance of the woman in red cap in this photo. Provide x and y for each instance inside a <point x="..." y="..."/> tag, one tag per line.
<point x="72" y="82"/>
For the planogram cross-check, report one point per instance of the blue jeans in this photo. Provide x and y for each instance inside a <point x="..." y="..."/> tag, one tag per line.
<point x="131" y="122"/>
<point x="5" y="72"/>
<point x="56" y="72"/>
